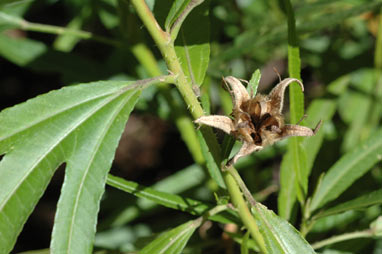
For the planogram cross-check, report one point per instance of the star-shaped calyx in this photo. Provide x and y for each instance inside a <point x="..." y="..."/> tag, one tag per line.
<point x="257" y="121"/>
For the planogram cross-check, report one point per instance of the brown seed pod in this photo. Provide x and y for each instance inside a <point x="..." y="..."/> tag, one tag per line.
<point x="257" y="121"/>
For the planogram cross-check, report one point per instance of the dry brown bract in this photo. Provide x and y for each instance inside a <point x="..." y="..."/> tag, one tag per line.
<point x="257" y="121"/>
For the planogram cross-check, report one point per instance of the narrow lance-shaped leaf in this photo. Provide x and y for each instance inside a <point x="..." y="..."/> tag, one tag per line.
<point x="80" y="125"/>
<point x="212" y="162"/>
<point x="94" y="147"/>
<point x="296" y="101"/>
<point x="366" y="200"/>
<point x="280" y="236"/>
<point x="169" y="200"/>
<point x="348" y="169"/>
<point x="287" y="194"/>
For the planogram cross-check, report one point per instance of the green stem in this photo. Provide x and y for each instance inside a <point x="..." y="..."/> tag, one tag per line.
<point x="340" y="238"/>
<point x="166" y="46"/>
<point x="167" y="49"/>
<point x="35" y="27"/>
<point x="146" y="58"/>
<point x="242" y="185"/>
<point x="215" y="210"/>
<point x="242" y="208"/>
<point x="160" y="37"/>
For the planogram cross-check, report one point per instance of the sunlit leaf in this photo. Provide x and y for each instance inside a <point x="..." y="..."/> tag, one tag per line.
<point x="280" y="236"/>
<point x="77" y="125"/>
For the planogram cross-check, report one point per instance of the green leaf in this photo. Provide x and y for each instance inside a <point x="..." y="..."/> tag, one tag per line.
<point x="296" y="102"/>
<point x="359" y="106"/>
<point x="355" y="106"/>
<point x="319" y="109"/>
<point x="340" y="85"/>
<point x="79" y="125"/>
<point x="173" y="241"/>
<point x="227" y="145"/>
<point x="192" y="45"/>
<point x="176" y="10"/>
<point x="372" y="198"/>
<point x="287" y="194"/>
<point x="254" y="82"/>
<point x="280" y="236"/>
<point x="212" y="165"/>
<point x="169" y="200"/>
<point x="298" y="165"/>
<point x="348" y="169"/>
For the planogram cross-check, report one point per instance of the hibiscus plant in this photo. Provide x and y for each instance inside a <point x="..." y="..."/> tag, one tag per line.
<point x="79" y="126"/>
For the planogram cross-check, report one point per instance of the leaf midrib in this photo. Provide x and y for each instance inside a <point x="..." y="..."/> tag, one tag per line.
<point x="95" y="151"/>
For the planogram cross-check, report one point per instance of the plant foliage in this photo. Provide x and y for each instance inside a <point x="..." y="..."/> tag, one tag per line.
<point x="112" y="55"/>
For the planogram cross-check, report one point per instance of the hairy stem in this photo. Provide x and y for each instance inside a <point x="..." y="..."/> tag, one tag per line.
<point x="244" y="212"/>
<point x="242" y="185"/>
